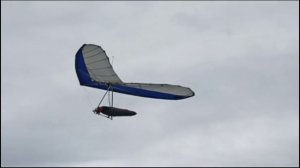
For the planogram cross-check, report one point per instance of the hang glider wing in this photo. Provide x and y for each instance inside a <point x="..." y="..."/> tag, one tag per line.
<point x="159" y="91"/>
<point x="94" y="70"/>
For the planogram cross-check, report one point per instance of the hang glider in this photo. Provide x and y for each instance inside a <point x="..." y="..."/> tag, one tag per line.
<point x="94" y="70"/>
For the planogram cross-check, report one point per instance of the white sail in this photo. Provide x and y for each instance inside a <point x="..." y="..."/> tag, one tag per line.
<point x="98" y="64"/>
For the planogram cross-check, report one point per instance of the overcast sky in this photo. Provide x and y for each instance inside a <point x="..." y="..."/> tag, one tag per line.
<point x="240" y="58"/>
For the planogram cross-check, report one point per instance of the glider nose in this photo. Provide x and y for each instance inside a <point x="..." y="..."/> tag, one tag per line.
<point x="101" y="109"/>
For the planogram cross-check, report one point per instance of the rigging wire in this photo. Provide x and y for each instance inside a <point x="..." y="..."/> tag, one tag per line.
<point x="104" y="96"/>
<point x="108" y="97"/>
<point x="112" y="97"/>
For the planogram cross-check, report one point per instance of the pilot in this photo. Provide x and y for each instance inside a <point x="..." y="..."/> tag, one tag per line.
<point x="98" y="110"/>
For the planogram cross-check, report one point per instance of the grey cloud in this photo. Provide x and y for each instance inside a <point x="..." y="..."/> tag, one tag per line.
<point x="240" y="58"/>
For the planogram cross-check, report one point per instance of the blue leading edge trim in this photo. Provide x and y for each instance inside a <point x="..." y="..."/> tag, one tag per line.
<point x="85" y="79"/>
<point x="81" y="70"/>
